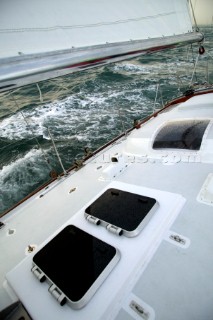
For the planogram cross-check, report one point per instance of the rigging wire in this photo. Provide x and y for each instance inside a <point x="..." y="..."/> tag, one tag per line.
<point x="10" y="92"/>
<point x="207" y="71"/>
<point x="4" y="140"/>
<point x="39" y="145"/>
<point x="194" y="61"/>
<point x="193" y="13"/>
<point x="194" y="70"/>
<point x="156" y="95"/>
<point x="210" y="55"/>
<point x="61" y="90"/>
<point x="28" y="125"/>
<point x="161" y="95"/>
<point x="16" y="142"/>
<point x="40" y="93"/>
<point x="57" y="154"/>
<point x="208" y="78"/>
<point x="179" y="81"/>
<point x="122" y="122"/>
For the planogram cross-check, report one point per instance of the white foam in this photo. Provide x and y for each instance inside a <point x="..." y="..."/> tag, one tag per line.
<point x="64" y="117"/>
<point x="133" y="67"/>
<point x="19" y="176"/>
<point x="16" y="164"/>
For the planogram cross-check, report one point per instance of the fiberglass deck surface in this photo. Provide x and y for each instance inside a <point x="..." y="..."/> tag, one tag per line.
<point x="166" y="278"/>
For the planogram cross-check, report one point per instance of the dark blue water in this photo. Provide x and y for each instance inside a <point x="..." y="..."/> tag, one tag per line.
<point x="85" y="110"/>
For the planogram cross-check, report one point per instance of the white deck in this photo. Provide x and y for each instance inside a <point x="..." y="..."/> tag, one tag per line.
<point x="167" y="279"/>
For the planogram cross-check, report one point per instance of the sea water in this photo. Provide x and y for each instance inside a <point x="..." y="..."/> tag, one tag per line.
<point x="87" y="109"/>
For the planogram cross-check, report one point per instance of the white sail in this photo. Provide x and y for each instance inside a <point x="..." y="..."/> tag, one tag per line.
<point x="44" y="39"/>
<point x="42" y="26"/>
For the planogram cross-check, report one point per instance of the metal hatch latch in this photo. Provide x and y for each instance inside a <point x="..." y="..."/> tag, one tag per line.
<point x="57" y="294"/>
<point x="144" y="314"/>
<point x="114" y="229"/>
<point x="93" y="220"/>
<point x="38" y="273"/>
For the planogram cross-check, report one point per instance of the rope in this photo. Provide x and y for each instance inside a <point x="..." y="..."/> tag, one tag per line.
<point x="197" y="28"/>
<point x="99" y="24"/>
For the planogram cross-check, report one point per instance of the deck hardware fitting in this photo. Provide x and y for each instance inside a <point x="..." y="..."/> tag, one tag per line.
<point x="41" y="195"/>
<point x="2" y="225"/>
<point x="78" y="164"/>
<point x="177" y="238"/>
<point x="93" y="220"/>
<point x="38" y="274"/>
<point x="53" y="174"/>
<point x="10" y="232"/>
<point x="99" y="167"/>
<point x="30" y="248"/>
<point x="137" y="124"/>
<point x="139" y="310"/>
<point x="87" y="152"/>
<point x="57" y="294"/>
<point x="72" y="190"/>
<point x="114" y="229"/>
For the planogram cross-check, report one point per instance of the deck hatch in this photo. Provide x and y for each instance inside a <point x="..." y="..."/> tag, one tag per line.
<point x="122" y="212"/>
<point x="184" y="134"/>
<point x="75" y="264"/>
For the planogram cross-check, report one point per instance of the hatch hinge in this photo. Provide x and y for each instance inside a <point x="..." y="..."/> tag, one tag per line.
<point x="114" y="229"/>
<point x="1" y="225"/>
<point x="93" y="220"/>
<point x="38" y="274"/>
<point x="57" y="294"/>
<point x="177" y="238"/>
<point x="144" y="314"/>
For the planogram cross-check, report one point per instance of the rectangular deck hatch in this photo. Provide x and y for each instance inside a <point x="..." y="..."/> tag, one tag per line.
<point x="181" y="134"/>
<point x="75" y="264"/>
<point x="121" y="212"/>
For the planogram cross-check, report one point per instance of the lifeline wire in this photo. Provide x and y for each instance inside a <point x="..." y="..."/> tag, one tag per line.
<point x="56" y="151"/>
<point x="194" y="71"/>
<point x="40" y="147"/>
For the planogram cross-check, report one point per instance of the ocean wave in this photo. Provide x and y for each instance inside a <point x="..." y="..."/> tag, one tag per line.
<point x="131" y="67"/>
<point x="20" y="177"/>
<point x="89" y="109"/>
<point x="72" y="114"/>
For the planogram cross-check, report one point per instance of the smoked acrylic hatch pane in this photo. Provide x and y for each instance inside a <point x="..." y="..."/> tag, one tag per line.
<point x="74" y="260"/>
<point x="185" y="134"/>
<point x="122" y="209"/>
